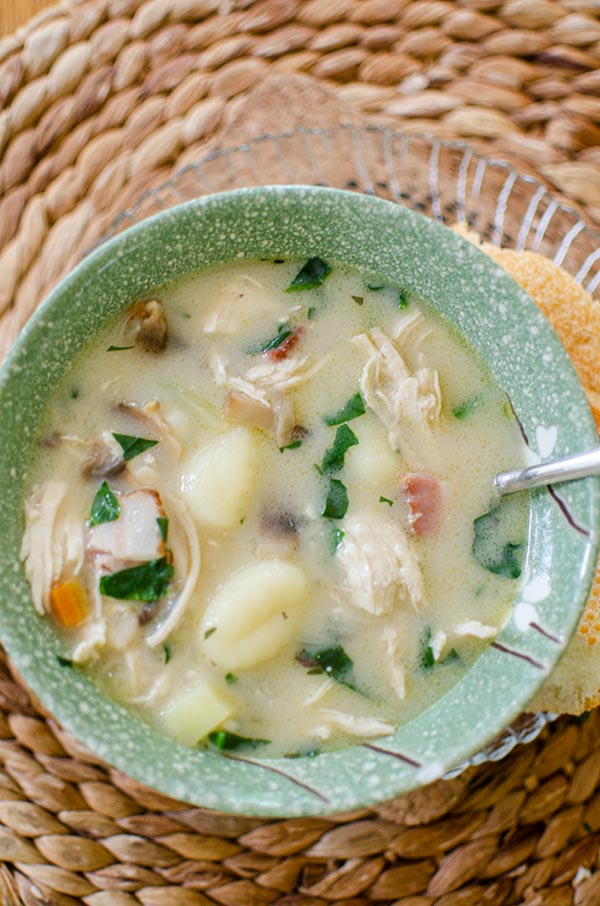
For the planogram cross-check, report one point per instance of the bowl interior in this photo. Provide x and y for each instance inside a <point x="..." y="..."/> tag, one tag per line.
<point x="523" y="353"/>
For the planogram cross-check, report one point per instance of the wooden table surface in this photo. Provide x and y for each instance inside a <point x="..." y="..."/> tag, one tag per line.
<point x="16" y="12"/>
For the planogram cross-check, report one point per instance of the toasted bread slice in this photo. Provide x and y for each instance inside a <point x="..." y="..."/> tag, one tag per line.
<point x="575" y="684"/>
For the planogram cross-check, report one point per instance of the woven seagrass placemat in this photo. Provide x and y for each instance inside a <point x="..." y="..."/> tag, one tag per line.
<point x="103" y="99"/>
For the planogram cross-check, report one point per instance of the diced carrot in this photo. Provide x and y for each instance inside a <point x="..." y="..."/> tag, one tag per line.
<point x="424" y="495"/>
<point x="68" y="603"/>
<point x="284" y="349"/>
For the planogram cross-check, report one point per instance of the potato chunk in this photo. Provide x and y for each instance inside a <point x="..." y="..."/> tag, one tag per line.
<point x="218" y="480"/>
<point x="192" y="715"/>
<point x="255" y="613"/>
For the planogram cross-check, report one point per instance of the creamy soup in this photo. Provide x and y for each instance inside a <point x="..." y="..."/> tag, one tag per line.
<point x="261" y="515"/>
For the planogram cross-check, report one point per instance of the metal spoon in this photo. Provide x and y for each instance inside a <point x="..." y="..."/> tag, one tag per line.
<point x="581" y="465"/>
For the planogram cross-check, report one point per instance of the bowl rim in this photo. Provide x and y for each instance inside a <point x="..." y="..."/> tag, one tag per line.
<point x="401" y="765"/>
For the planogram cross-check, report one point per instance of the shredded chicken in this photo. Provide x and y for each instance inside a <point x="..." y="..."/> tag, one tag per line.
<point x="382" y="570"/>
<point x="276" y="416"/>
<point x="53" y="546"/>
<point x="91" y="635"/>
<point x="319" y="693"/>
<point x="437" y="643"/>
<point x="242" y="300"/>
<point x="476" y="629"/>
<point x="395" y="669"/>
<point x="135" y="535"/>
<point x="357" y="726"/>
<point x="410" y="332"/>
<point x="407" y="403"/>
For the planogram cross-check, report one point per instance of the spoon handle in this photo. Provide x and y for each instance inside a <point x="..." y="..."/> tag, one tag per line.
<point x="582" y="465"/>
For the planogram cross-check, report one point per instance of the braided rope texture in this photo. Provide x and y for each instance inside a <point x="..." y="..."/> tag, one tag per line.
<point x="103" y="99"/>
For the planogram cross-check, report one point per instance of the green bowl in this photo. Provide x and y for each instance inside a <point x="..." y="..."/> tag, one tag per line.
<point x="523" y="353"/>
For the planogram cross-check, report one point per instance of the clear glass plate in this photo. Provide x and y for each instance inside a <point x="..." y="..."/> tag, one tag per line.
<point x="447" y="181"/>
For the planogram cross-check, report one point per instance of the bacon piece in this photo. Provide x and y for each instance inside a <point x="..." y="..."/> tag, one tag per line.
<point x="283" y="350"/>
<point x="425" y="496"/>
<point x="135" y="535"/>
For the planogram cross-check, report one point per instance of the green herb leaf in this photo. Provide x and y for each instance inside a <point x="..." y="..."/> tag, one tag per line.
<point x="359" y="299"/>
<point x="374" y="285"/>
<point x="452" y="657"/>
<point x="335" y="538"/>
<point x="345" y="438"/>
<point x="147" y="582"/>
<point x="467" y="407"/>
<point x="209" y="632"/>
<point x="293" y="446"/>
<point x="352" y="409"/>
<point x="333" y="661"/>
<point x="311" y="274"/>
<point x="587" y="828"/>
<point x="119" y="348"/>
<point x="402" y="299"/>
<point x="494" y="546"/>
<point x="74" y="393"/>
<point x="64" y="661"/>
<point x="167" y="651"/>
<point x="223" y="739"/>
<point x="386" y="500"/>
<point x="163" y="526"/>
<point x="336" y="505"/>
<point x="133" y="446"/>
<point x="310" y="314"/>
<point x="231" y="678"/>
<point x="274" y="342"/>
<point x="427" y="658"/>
<point x="105" y="506"/>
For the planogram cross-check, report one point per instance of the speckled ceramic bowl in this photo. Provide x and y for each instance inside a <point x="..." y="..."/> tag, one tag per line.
<point x="528" y="362"/>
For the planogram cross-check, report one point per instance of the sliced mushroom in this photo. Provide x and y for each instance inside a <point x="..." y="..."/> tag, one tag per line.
<point x="278" y="536"/>
<point x="147" y="325"/>
<point x="104" y="458"/>
<point x="150" y="415"/>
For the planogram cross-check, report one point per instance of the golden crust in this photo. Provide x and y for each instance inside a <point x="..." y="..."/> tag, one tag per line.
<point x="575" y="685"/>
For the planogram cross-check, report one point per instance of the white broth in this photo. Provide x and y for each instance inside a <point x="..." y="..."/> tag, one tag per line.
<point x="261" y="514"/>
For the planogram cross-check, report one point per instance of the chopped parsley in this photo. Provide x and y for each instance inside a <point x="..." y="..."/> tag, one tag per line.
<point x="231" y="678"/>
<point x="310" y="275"/>
<point x="374" y="285"/>
<point x="386" y="500"/>
<point x="467" y="407"/>
<point x="402" y="299"/>
<point x="119" y="348"/>
<point x="223" y="739"/>
<point x="146" y="582"/>
<point x="494" y="546"/>
<point x="333" y="661"/>
<point x="345" y="438"/>
<point x="293" y="446"/>
<point x="359" y="299"/>
<point x="167" y="653"/>
<point x="163" y="526"/>
<point x="352" y="409"/>
<point x="209" y="632"/>
<point x="311" y="313"/>
<point x="133" y="446"/>
<point x="64" y="661"/>
<point x="74" y="393"/>
<point x="105" y="506"/>
<point x="336" y="504"/>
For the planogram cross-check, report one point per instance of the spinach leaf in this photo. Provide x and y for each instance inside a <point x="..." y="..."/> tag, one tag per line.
<point x="133" y="446"/>
<point x="427" y="658"/>
<point x="336" y="505"/>
<point x="333" y="661"/>
<point x="495" y="547"/>
<point x="345" y="438"/>
<point x="105" y="506"/>
<point x="467" y="407"/>
<point x="352" y="409"/>
<point x="163" y="526"/>
<point x="223" y="739"/>
<point x="147" y="582"/>
<point x="335" y="538"/>
<point x="310" y="275"/>
<point x="274" y="342"/>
